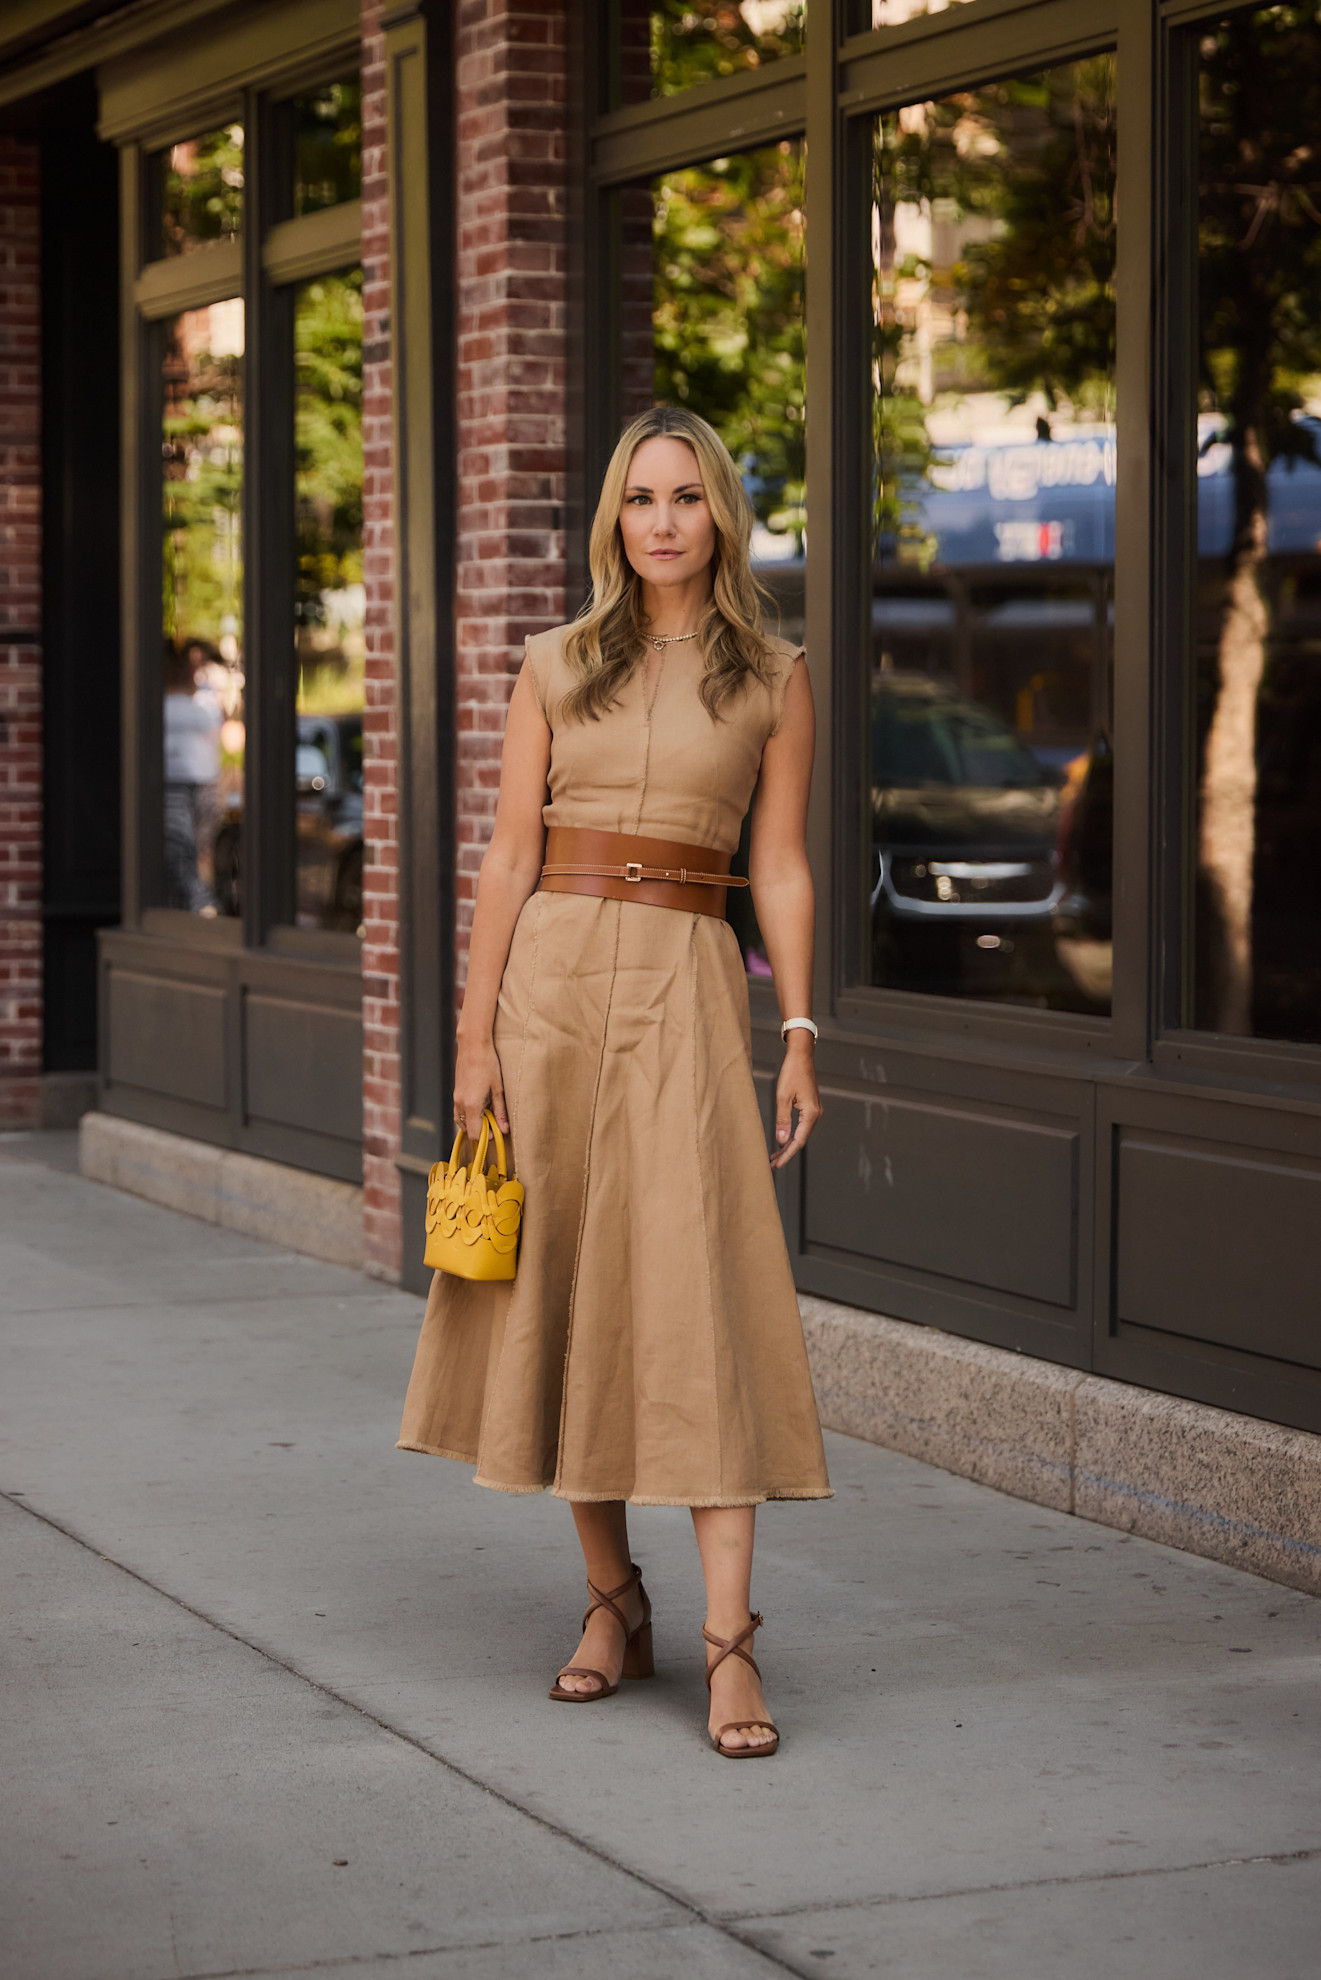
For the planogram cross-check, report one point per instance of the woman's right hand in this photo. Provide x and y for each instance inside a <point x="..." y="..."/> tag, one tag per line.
<point x="477" y="1080"/>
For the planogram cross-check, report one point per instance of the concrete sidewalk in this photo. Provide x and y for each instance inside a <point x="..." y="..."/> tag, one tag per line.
<point x="275" y="1693"/>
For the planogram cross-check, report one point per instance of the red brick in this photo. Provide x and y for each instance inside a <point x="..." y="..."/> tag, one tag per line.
<point x="382" y="1232"/>
<point x="20" y="666"/>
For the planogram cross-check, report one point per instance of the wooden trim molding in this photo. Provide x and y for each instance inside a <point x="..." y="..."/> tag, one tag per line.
<point x="164" y="90"/>
<point x="314" y="244"/>
<point x="187" y="281"/>
<point x="981" y="41"/>
<point x="703" y="122"/>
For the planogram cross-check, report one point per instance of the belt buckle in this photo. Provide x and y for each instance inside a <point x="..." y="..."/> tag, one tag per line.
<point x="633" y="869"/>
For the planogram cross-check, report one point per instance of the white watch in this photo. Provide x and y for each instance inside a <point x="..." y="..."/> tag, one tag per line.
<point x="798" y="1024"/>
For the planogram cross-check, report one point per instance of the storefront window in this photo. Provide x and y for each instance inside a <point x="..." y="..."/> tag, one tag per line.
<point x="987" y="742"/>
<point x="202" y="606"/>
<point x="328" y="146"/>
<point x="200" y="190"/>
<point x="330" y="609"/>
<point x="712" y="318"/>
<point x="667" y="48"/>
<point x="1256" y="886"/>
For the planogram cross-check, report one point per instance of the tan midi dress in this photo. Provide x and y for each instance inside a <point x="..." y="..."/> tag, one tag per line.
<point x="650" y="1347"/>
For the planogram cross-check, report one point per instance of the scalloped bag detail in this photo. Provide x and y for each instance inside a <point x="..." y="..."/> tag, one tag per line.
<point x="474" y="1214"/>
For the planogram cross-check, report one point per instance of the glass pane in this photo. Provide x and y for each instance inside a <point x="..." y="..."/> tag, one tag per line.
<point x="712" y="318"/>
<point x="330" y="609"/>
<point x="201" y="190"/>
<point x="988" y="729"/>
<point x="202" y="606"/>
<point x="890" y="13"/>
<point x="667" y="48"/>
<point x="1256" y="964"/>
<point x="328" y="145"/>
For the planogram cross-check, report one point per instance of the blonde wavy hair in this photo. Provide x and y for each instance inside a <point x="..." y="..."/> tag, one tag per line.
<point x="607" y="639"/>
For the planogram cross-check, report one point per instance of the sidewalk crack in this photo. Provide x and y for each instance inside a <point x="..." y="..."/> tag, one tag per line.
<point x="1032" y="1884"/>
<point x="728" y="1929"/>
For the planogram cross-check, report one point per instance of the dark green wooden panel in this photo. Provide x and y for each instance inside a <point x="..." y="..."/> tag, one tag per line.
<point x="1220" y="1245"/>
<point x="167" y="1037"/>
<point x="302" y="1066"/>
<point x="985" y="1200"/>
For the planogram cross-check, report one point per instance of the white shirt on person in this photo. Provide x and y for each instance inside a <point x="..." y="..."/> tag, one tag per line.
<point x="192" y="738"/>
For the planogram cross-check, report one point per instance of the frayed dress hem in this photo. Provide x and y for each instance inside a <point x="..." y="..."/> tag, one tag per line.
<point x="628" y="1498"/>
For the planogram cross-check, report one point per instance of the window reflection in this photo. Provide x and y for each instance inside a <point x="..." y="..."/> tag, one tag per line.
<point x="712" y="318"/>
<point x="200" y="190"/>
<point x="328" y="145"/>
<point x="993" y="236"/>
<point x="891" y="13"/>
<point x="330" y="607"/>
<point x="1257" y="897"/>
<point x="671" y="47"/>
<point x="202" y="604"/>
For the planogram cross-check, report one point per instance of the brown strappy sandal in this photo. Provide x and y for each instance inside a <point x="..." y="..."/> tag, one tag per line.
<point x="733" y="1648"/>
<point x="638" y="1660"/>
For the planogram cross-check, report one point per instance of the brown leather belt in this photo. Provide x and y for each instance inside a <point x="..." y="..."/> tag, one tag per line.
<point x="617" y="866"/>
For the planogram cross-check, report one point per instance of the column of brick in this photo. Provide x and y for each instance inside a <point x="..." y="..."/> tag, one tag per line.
<point x="20" y="614"/>
<point x="637" y="337"/>
<point x="510" y="278"/>
<point x="380" y="949"/>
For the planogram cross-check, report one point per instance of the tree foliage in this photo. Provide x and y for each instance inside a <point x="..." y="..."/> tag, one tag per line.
<point x="1259" y="241"/>
<point x="728" y="313"/>
<point x="1023" y="172"/>
<point x="328" y="438"/>
<point x="697" y="41"/>
<point x="202" y="489"/>
<point x="1259" y="280"/>
<point x="202" y="189"/>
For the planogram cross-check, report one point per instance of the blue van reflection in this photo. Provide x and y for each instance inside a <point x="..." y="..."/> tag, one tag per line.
<point x="1053" y="500"/>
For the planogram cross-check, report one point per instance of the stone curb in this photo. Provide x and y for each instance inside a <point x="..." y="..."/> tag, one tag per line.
<point x="1228" y="1487"/>
<point x="286" y="1206"/>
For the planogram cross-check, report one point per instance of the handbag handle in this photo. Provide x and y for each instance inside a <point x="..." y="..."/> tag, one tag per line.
<point x="490" y="1126"/>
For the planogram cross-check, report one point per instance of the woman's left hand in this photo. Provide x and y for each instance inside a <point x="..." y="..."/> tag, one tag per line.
<point x="795" y="1092"/>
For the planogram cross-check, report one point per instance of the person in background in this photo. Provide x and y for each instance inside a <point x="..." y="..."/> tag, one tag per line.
<point x="192" y="769"/>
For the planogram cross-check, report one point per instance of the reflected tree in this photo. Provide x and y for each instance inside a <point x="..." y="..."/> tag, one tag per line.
<point x="1017" y="185"/>
<point x="697" y="41"/>
<point x="727" y="322"/>
<point x="1259" y="245"/>
<point x="202" y="189"/>
<point x="202" y="485"/>
<point x="328" y="468"/>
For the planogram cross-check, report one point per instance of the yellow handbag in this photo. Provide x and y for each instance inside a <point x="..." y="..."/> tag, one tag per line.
<point x="474" y="1213"/>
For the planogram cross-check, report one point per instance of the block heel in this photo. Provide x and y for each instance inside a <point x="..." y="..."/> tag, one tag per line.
<point x="638" y="1659"/>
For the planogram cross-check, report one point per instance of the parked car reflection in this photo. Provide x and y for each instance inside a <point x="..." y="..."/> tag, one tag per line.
<point x="328" y="773"/>
<point x="965" y="863"/>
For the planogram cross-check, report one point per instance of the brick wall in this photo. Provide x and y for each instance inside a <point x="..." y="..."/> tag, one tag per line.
<point x="380" y="952"/>
<point x="512" y="93"/>
<point x="20" y="611"/>
<point x="510" y="301"/>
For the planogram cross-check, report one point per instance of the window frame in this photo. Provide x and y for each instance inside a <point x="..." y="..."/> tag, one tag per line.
<point x="830" y="95"/>
<point x="272" y="254"/>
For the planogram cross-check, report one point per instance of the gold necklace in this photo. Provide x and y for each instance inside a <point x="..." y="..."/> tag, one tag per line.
<point x="661" y="640"/>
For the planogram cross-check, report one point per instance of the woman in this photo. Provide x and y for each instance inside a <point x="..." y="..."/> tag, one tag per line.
<point x="649" y="1351"/>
